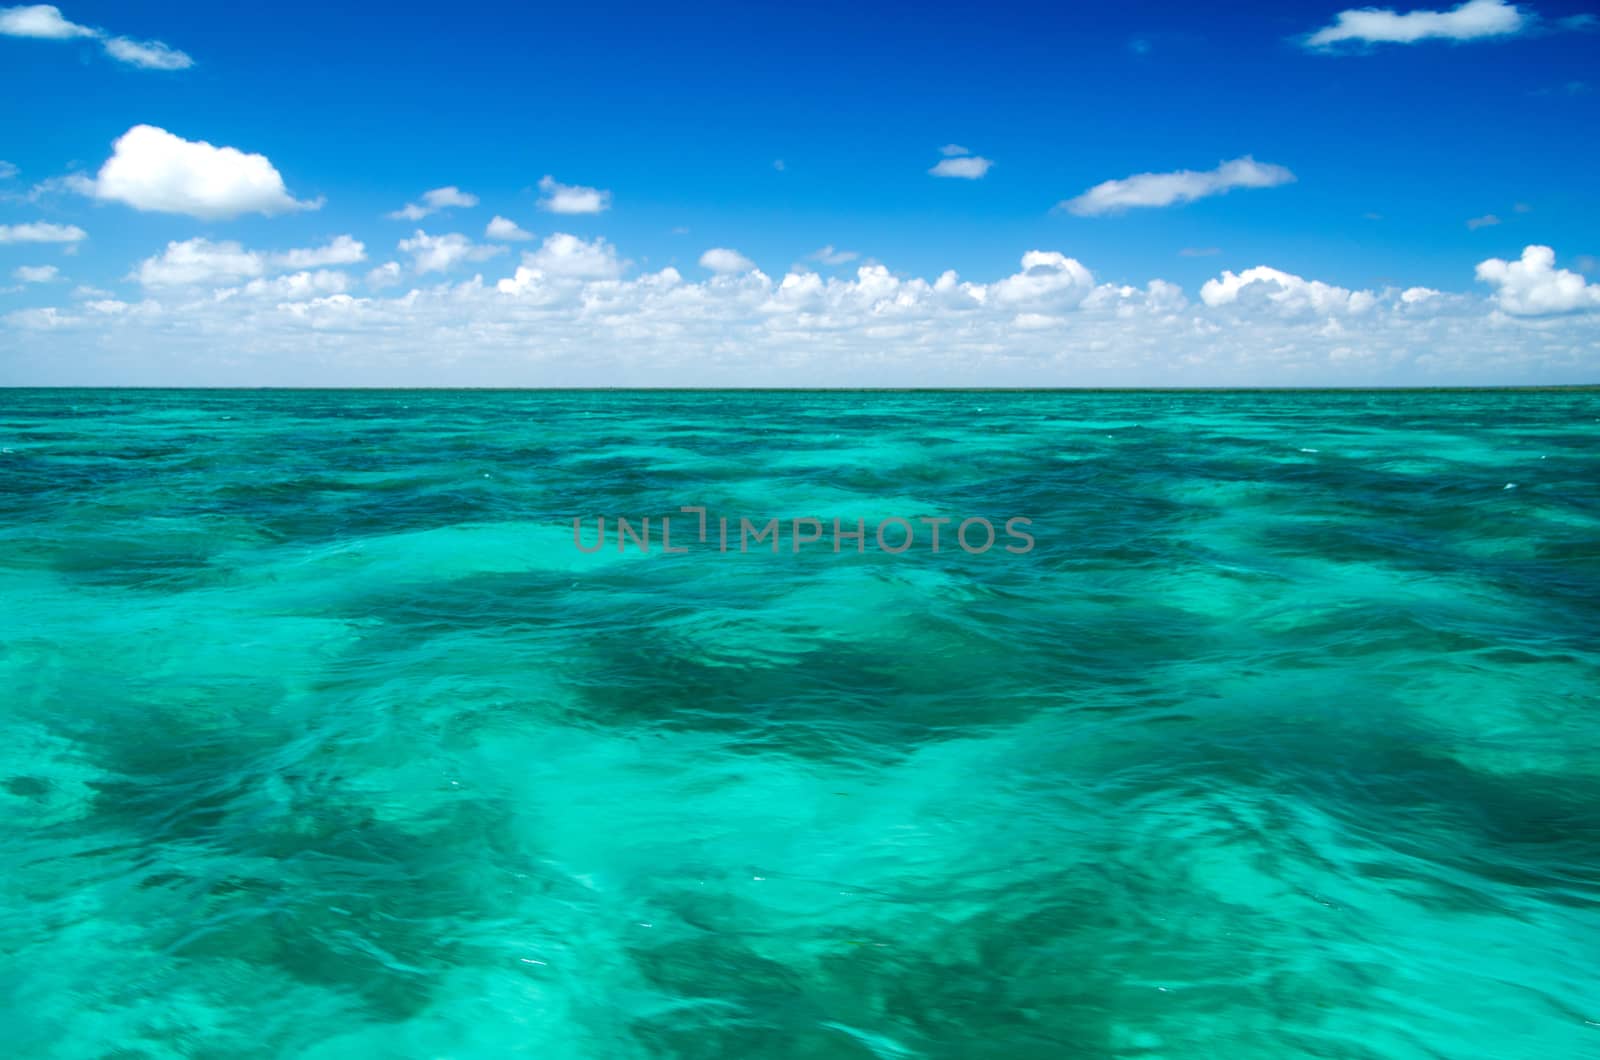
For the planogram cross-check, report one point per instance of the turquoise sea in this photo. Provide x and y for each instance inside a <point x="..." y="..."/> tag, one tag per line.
<point x="320" y="738"/>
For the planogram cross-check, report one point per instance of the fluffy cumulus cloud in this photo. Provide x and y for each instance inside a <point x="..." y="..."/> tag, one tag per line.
<point x="389" y="274"/>
<point x="573" y="258"/>
<point x="555" y="197"/>
<point x="443" y="253"/>
<point x="562" y="260"/>
<point x="199" y="261"/>
<point x="151" y="169"/>
<point x="1048" y="279"/>
<point x="46" y="22"/>
<point x="572" y="311"/>
<point x="1168" y="189"/>
<point x="434" y="201"/>
<point x="721" y="260"/>
<point x="1267" y="288"/>
<point x="1533" y="286"/>
<point x="1473" y="20"/>
<point x="506" y="230"/>
<point x="42" y="232"/>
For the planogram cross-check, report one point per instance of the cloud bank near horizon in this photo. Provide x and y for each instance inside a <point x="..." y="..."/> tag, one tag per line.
<point x="571" y="311"/>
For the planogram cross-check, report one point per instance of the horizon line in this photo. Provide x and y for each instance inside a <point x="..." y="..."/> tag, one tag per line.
<point x="836" y="389"/>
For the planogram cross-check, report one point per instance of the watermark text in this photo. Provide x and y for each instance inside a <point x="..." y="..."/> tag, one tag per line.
<point x="694" y="529"/>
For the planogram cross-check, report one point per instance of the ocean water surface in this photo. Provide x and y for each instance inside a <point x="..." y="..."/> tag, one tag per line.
<point x="320" y="738"/>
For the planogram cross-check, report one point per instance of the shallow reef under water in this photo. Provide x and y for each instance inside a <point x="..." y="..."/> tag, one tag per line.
<point x="319" y="737"/>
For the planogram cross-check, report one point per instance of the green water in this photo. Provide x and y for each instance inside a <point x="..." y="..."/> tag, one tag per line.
<point x="319" y="738"/>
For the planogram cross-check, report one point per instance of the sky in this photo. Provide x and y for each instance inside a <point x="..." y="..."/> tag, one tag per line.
<point x="890" y="194"/>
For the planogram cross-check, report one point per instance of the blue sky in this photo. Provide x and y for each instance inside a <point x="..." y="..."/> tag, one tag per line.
<point x="682" y="117"/>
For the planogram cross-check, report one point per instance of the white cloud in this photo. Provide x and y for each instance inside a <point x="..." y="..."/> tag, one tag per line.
<point x="1472" y="20"/>
<point x="829" y="256"/>
<point x="194" y="262"/>
<point x="8" y="170"/>
<point x="562" y="260"/>
<point x="45" y="21"/>
<point x="389" y="274"/>
<point x="69" y="183"/>
<point x="722" y="260"/>
<point x="41" y="232"/>
<point x="36" y="273"/>
<point x="779" y="165"/>
<point x="295" y="286"/>
<point x="151" y="169"/>
<point x="567" y="255"/>
<point x="1533" y="286"/>
<point x="199" y="261"/>
<point x="40" y="319"/>
<point x="952" y="150"/>
<point x="1166" y="189"/>
<point x="344" y="250"/>
<point x="1047" y="278"/>
<point x="507" y="230"/>
<point x="1037" y="321"/>
<point x="434" y="201"/>
<point x="443" y="253"/>
<point x="572" y="198"/>
<point x="563" y="268"/>
<point x="570" y="313"/>
<point x="147" y="55"/>
<point x="1486" y="221"/>
<point x="1267" y="288"/>
<point x="970" y="167"/>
